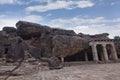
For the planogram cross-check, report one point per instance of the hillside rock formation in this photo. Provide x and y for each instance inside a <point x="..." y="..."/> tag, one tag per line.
<point x="43" y="41"/>
<point x="51" y="41"/>
<point x="96" y="36"/>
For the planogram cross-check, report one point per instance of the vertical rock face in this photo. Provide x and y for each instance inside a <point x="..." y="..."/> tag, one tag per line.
<point x="28" y="30"/>
<point x="64" y="45"/>
<point x="43" y="41"/>
<point x="96" y="36"/>
<point x="38" y="35"/>
<point x="51" y="41"/>
<point x="57" y="31"/>
<point x="11" y="44"/>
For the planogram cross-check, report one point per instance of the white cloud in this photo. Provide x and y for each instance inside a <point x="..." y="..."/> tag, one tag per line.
<point x="7" y="1"/>
<point x="79" y="21"/>
<point x="89" y="25"/>
<point x="20" y="2"/>
<point x="97" y="29"/>
<point x="85" y="25"/>
<point x="116" y="20"/>
<point x="49" y="15"/>
<point x="96" y="20"/>
<point x="7" y="22"/>
<point x="84" y="4"/>
<point x="42" y="1"/>
<point x="4" y="21"/>
<point x="60" y="4"/>
<point x="33" y="18"/>
<point x="1" y="16"/>
<point x="112" y="3"/>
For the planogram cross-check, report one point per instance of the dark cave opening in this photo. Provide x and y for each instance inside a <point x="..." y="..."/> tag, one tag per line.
<point x="100" y="52"/>
<point x="118" y="55"/>
<point x="90" y="54"/>
<point x="79" y="56"/>
<point x="6" y="51"/>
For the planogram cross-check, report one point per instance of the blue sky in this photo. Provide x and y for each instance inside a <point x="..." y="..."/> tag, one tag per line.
<point x="82" y="16"/>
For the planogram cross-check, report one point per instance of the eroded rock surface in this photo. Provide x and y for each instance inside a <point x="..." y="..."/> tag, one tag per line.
<point x="42" y="41"/>
<point x="51" y="41"/>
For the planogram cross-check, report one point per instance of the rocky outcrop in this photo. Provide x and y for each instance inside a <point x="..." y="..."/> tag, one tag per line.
<point x="43" y="42"/>
<point x="11" y="47"/>
<point x="93" y="37"/>
<point x="28" y="30"/>
<point x="8" y="29"/>
<point x="51" y="41"/>
<point x="64" y="45"/>
<point x="57" y="31"/>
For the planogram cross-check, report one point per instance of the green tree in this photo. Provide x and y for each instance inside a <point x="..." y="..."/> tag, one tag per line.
<point x="117" y="44"/>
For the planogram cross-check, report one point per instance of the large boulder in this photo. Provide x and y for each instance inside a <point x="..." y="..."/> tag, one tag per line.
<point x="40" y="36"/>
<point x="9" y="29"/>
<point x="27" y="29"/>
<point x="4" y="38"/>
<point x="35" y="52"/>
<point x="57" y="31"/>
<point x="64" y="45"/>
<point x="54" y="62"/>
<point x="51" y="41"/>
<point x="96" y="36"/>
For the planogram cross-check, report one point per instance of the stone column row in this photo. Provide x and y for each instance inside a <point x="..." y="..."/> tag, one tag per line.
<point x="114" y="52"/>
<point x="105" y="54"/>
<point x="95" y="55"/>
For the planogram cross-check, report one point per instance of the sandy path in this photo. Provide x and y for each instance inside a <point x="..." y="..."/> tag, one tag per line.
<point x="80" y="72"/>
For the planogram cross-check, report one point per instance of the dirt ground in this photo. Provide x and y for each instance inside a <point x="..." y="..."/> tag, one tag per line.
<point x="109" y="71"/>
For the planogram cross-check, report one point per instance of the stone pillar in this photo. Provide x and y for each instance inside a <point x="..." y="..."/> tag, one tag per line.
<point x="114" y="52"/>
<point x="102" y="56"/>
<point x="95" y="55"/>
<point x="105" y="52"/>
<point x="62" y="59"/>
<point x="86" y="56"/>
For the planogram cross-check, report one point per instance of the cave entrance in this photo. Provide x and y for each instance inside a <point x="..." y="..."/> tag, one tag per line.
<point x="90" y="54"/>
<point x="8" y="54"/>
<point x="6" y="51"/>
<point x="1" y="54"/>
<point x="100" y="52"/>
<point x="79" y="56"/>
<point x="118" y="55"/>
